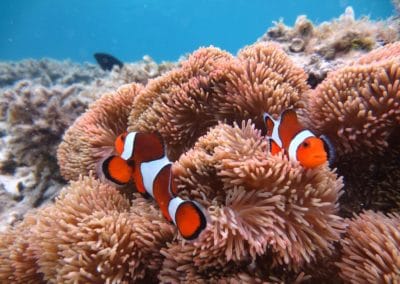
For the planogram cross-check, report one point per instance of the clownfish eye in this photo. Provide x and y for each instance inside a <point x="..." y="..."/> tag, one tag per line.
<point x="123" y="136"/>
<point x="305" y="144"/>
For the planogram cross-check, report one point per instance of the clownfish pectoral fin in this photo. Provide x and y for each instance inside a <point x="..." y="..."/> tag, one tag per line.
<point x="289" y="126"/>
<point x="269" y="124"/>
<point x="188" y="217"/>
<point x="329" y="149"/>
<point x="117" y="170"/>
<point x="274" y="147"/>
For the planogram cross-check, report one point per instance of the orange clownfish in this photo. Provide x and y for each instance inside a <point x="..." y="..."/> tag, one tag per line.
<point x="298" y="143"/>
<point x="141" y="158"/>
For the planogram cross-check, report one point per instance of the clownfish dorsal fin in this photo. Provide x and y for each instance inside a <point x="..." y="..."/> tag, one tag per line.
<point x="289" y="126"/>
<point x="148" y="147"/>
<point x="119" y="143"/>
<point x="269" y="124"/>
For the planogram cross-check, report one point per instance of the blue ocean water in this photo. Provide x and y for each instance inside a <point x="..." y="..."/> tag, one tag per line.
<point x="129" y="29"/>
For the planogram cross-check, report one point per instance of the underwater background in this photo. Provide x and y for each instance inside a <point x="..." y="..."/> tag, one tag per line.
<point x="165" y="30"/>
<point x="209" y="78"/>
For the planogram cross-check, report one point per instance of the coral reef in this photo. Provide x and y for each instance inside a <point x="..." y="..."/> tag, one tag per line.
<point x="48" y="72"/>
<point x="253" y="212"/>
<point x="371" y="249"/>
<point x="268" y="218"/>
<point x="322" y="48"/>
<point x="139" y="72"/>
<point x="262" y="209"/>
<point x="34" y="118"/>
<point x="35" y="113"/>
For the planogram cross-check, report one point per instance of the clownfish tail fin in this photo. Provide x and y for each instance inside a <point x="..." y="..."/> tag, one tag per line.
<point x="329" y="149"/>
<point x="116" y="170"/>
<point x="188" y="217"/>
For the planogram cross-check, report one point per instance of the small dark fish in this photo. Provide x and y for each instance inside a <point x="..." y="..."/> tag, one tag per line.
<point x="107" y="61"/>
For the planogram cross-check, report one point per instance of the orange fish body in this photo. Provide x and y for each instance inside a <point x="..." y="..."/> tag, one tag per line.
<point x="300" y="144"/>
<point x="141" y="158"/>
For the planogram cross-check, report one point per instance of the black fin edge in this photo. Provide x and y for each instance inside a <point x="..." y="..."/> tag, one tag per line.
<point x="330" y="150"/>
<point x="104" y="168"/>
<point x="203" y="221"/>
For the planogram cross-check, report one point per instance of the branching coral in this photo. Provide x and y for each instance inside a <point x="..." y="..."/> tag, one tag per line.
<point x="371" y="249"/>
<point x="48" y="72"/>
<point x="322" y="48"/>
<point x="213" y="86"/>
<point x="92" y="135"/>
<point x="41" y="114"/>
<point x="91" y="234"/>
<point x="258" y="204"/>
<point x="34" y="119"/>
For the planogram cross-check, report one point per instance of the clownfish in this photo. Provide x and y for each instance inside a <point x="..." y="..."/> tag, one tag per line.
<point x="298" y="143"/>
<point x="141" y="158"/>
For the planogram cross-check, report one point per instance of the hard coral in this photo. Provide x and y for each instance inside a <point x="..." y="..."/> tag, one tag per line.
<point x="371" y="249"/>
<point x="258" y="204"/>
<point x="92" y="135"/>
<point x="213" y="86"/>
<point x="41" y="114"/>
<point x="90" y="234"/>
<point x="48" y="72"/>
<point x="33" y="119"/>
<point x="322" y="48"/>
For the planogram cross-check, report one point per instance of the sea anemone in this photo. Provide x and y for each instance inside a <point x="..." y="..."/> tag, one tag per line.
<point x="257" y="203"/>
<point x="90" y="234"/>
<point x="358" y="106"/>
<point x="92" y="136"/>
<point x="213" y="86"/>
<point x="371" y="249"/>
